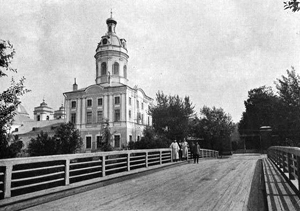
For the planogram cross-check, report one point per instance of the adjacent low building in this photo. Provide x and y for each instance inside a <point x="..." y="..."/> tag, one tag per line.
<point x="25" y="128"/>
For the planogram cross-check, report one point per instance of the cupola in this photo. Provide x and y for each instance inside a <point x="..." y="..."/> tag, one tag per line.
<point x="111" y="57"/>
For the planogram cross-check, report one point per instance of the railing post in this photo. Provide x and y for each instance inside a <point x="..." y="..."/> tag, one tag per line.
<point x="281" y="159"/>
<point x="160" y="157"/>
<point x="298" y="169"/>
<point x="67" y="172"/>
<point x="103" y="165"/>
<point x="146" y="159"/>
<point x="290" y="162"/>
<point x="7" y="181"/>
<point x="128" y="161"/>
<point x="285" y="162"/>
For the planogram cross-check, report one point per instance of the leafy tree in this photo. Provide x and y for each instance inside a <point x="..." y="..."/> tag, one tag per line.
<point x="171" y="116"/>
<point x="66" y="140"/>
<point x="150" y="140"/>
<point x="289" y="93"/>
<point x="105" y="144"/>
<point x="216" y="127"/>
<point x="43" y="144"/>
<point x="292" y="4"/>
<point x="262" y="109"/>
<point x="9" y="101"/>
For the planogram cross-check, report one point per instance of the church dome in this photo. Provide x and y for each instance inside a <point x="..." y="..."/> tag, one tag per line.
<point x="111" y="38"/>
<point x="21" y="110"/>
<point x="111" y="20"/>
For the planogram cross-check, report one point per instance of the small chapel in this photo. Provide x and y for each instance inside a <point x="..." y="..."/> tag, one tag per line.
<point x="110" y="101"/>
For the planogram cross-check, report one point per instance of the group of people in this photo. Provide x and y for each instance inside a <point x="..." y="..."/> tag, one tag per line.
<point x="180" y="150"/>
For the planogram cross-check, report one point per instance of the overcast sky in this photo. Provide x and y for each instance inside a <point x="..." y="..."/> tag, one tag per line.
<point x="212" y="51"/>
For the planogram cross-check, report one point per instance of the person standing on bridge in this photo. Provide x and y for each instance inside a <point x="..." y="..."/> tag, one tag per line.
<point x="175" y="148"/>
<point x="184" y="148"/>
<point x="196" y="152"/>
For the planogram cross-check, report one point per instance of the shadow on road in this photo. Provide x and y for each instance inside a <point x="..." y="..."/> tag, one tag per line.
<point x="257" y="200"/>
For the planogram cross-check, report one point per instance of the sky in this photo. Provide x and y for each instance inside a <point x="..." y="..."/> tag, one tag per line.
<point x="212" y="51"/>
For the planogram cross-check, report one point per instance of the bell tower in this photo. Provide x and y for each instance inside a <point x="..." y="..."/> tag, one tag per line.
<point x="111" y="57"/>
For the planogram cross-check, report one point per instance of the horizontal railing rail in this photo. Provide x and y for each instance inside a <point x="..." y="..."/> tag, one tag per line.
<point x="19" y="176"/>
<point x="287" y="159"/>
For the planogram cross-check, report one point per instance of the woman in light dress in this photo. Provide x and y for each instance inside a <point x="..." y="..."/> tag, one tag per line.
<point x="175" y="148"/>
<point x="184" y="147"/>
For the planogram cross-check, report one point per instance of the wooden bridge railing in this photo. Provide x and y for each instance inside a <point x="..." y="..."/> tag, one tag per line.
<point x="287" y="159"/>
<point x="25" y="175"/>
<point x="19" y="176"/>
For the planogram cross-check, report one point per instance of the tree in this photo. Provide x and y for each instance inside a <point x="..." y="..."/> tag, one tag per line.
<point x="292" y="4"/>
<point x="150" y="140"/>
<point x="9" y="101"/>
<point x="289" y="93"/>
<point x="66" y="140"/>
<point x="105" y="144"/>
<point x="43" y="144"/>
<point x="262" y="108"/>
<point x="216" y="127"/>
<point x="171" y="116"/>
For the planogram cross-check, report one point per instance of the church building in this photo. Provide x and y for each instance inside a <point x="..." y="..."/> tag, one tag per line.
<point x="110" y="100"/>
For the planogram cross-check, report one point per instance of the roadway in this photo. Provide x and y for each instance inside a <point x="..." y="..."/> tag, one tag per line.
<point x="213" y="184"/>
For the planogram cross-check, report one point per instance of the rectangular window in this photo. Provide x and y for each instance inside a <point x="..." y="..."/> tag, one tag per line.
<point x="99" y="116"/>
<point x="117" y="141"/>
<point x="88" y="142"/>
<point x="99" y="140"/>
<point x="130" y="137"/>
<point x="129" y="114"/>
<point x="100" y="101"/>
<point x="129" y="100"/>
<point x="73" y="118"/>
<point x="142" y="119"/>
<point x="117" y="100"/>
<point x="142" y="105"/>
<point x="137" y="104"/>
<point x="148" y="120"/>
<point x="89" y="117"/>
<point x="117" y="115"/>
<point x="138" y="138"/>
<point x="89" y="103"/>
<point x="138" y="117"/>
<point x="73" y="104"/>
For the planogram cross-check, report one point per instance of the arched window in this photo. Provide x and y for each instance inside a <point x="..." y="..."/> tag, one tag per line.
<point x="125" y="71"/>
<point x="103" y="68"/>
<point x="116" y="68"/>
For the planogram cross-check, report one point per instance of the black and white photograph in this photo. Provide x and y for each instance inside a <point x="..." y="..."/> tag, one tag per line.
<point x="142" y="105"/>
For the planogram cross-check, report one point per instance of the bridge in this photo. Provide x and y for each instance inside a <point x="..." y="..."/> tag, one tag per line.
<point x="149" y="180"/>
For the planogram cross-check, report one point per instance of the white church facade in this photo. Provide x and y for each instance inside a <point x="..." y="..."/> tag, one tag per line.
<point x="110" y="99"/>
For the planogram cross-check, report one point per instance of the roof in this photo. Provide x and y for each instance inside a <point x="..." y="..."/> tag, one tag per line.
<point x="28" y="126"/>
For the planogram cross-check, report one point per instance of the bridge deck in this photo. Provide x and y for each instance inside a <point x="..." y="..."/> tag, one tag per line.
<point x="223" y="184"/>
